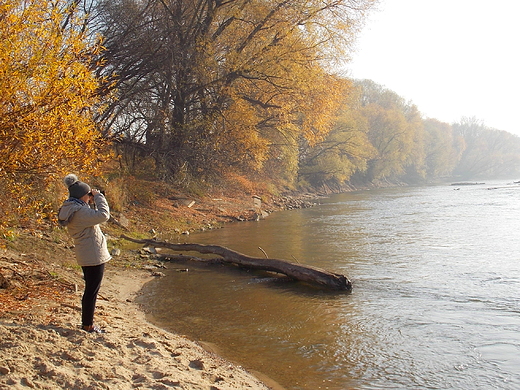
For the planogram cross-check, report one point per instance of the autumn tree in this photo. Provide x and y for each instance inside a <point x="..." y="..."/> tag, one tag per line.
<point x="210" y="85"/>
<point x="345" y="150"/>
<point x="46" y="97"/>
<point x="395" y="131"/>
<point x="442" y="153"/>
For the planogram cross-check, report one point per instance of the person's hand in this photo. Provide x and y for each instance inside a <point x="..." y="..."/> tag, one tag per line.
<point x="94" y="192"/>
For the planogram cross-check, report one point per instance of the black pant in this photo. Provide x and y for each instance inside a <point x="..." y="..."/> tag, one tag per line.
<point x="93" y="276"/>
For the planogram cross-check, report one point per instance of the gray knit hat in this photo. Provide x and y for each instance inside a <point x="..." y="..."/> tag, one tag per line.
<point x="77" y="189"/>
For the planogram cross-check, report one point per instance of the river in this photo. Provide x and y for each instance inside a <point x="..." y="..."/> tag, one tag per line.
<point x="435" y="301"/>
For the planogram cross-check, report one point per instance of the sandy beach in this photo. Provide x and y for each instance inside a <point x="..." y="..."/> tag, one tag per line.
<point x="49" y="351"/>
<point x="42" y="345"/>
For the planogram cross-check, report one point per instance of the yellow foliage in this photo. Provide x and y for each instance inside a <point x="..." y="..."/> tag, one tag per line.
<point x="239" y="138"/>
<point x="47" y="92"/>
<point x="273" y="55"/>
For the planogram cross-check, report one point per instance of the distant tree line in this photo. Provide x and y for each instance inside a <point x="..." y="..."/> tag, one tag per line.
<point x="213" y="91"/>
<point x="380" y="138"/>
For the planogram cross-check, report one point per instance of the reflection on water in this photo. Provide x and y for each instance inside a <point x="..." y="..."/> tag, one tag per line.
<point x="435" y="301"/>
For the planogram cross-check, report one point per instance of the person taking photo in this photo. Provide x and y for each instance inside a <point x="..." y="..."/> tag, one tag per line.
<point x="82" y="213"/>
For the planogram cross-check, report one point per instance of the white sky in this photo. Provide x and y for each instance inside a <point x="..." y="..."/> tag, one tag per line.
<point x="451" y="58"/>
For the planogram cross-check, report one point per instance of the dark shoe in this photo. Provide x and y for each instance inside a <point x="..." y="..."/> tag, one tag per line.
<point x="92" y="329"/>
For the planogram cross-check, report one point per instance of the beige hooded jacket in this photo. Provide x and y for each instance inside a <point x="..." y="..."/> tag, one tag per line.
<point x="82" y="223"/>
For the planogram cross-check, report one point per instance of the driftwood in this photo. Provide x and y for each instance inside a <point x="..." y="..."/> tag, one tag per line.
<point x="300" y="272"/>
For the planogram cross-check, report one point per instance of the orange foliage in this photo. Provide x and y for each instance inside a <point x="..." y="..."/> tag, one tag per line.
<point x="46" y="97"/>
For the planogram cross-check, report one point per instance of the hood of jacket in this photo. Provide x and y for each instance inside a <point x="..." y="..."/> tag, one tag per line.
<point x="67" y="210"/>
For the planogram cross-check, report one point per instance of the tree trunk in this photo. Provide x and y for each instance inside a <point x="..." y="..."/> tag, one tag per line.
<point x="300" y="272"/>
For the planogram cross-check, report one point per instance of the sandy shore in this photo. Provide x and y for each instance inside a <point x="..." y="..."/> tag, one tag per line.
<point x="133" y="354"/>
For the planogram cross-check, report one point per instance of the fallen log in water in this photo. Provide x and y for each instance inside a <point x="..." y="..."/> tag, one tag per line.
<point x="303" y="273"/>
